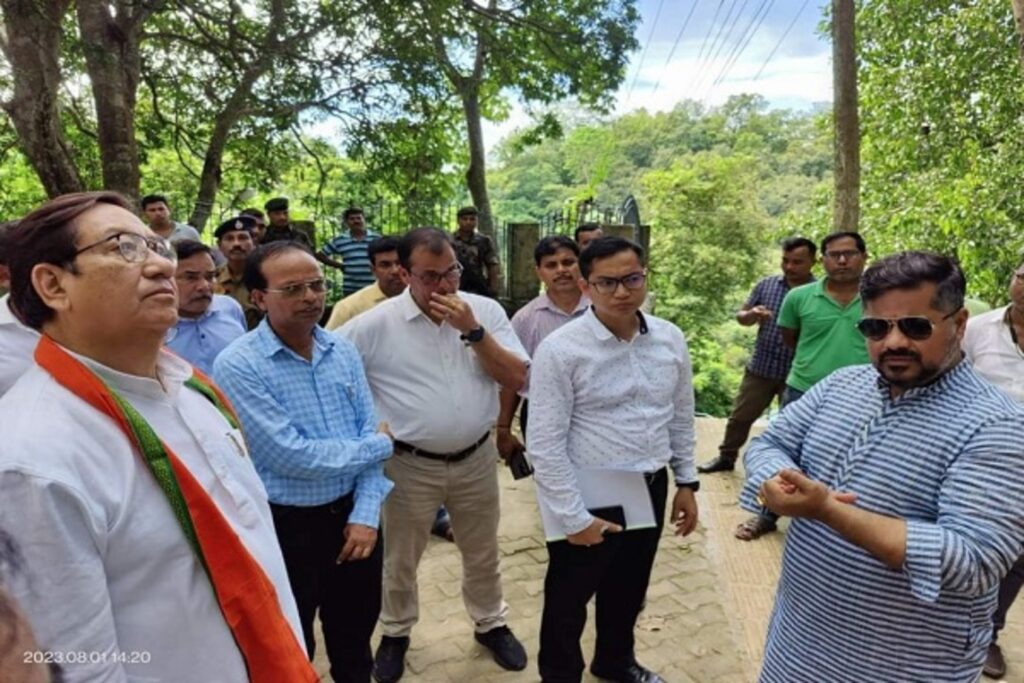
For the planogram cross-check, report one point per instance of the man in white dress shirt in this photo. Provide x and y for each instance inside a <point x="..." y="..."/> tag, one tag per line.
<point x="17" y="340"/>
<point x="435" y="359"/>
<point x="610" y="390"/>
<point x="994" y="343"/>
<point x="113" y="580"/>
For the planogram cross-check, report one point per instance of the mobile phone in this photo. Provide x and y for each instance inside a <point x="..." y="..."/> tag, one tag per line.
<point x="519" y="465"/>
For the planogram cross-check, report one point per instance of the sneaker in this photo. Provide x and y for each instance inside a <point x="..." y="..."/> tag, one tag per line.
<point x="389" y="663"/>
<point x="507" y="650"/>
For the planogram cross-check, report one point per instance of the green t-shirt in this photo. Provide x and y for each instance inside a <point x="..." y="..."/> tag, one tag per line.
<point x="828" y="340"/>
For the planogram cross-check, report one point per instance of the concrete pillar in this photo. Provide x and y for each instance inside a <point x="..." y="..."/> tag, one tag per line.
<point x="523" y="284"/>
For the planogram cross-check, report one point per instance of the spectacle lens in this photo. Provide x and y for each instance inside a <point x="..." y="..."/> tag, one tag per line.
<point x="917" y="328"/>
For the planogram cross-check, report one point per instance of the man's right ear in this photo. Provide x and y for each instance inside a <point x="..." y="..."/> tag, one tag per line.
<point x="50" y="283"/>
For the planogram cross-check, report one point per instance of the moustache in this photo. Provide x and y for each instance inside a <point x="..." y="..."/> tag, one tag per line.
<point x="901" y="354"/>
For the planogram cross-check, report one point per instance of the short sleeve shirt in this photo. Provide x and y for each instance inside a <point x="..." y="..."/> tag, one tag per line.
<point x="828" y="339"/>
<point x="355" y="257"/>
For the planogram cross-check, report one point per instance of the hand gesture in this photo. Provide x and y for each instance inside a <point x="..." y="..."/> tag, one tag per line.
<point x="763" y="313"/>
<point x="793" y="493"/>
<point x="594" y="533"/>
<point x="454" y="310"/>
<point x="359" y="543"/>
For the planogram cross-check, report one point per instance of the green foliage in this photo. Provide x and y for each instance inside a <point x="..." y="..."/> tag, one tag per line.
<point x="717" y="187"/>
<point x="941" y="101"/>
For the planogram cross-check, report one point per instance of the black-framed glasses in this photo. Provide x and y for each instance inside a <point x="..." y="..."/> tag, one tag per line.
<point x="431" y="278"/>
<point x="916" y="327"/>
<point x="609" y="285"/>
<point x="294" y="291"/>
<point x="843" y="254"/>
<point x="134" y="248"/>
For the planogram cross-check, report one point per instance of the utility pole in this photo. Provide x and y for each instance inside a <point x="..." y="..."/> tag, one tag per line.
<point x="846" y="210"/>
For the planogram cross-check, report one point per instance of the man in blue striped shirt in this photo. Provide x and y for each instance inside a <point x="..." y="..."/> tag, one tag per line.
<point x="310" y="424"/>
<point x="352" y="245"/>
<point x="905" y="485"/>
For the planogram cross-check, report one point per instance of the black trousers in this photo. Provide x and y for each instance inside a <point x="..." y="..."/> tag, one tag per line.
<point x="347" y="595"/>
<point x="1008" y="590"/>
<point x="618" y="572"/>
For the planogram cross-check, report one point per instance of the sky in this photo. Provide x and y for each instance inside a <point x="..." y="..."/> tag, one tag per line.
<point x="663" y="72"/>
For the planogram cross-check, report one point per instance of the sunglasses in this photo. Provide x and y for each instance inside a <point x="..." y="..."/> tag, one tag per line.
<point x="916" y="327"/>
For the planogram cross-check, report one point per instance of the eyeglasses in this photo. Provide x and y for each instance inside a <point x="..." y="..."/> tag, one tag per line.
<point x="845" y="254"/>
<point x="134" y="248"/>
<point x="609" y="285"/>
<point x="916" y="327"/>
<point x="430" y="278"/>
<point x="299" y="288"/>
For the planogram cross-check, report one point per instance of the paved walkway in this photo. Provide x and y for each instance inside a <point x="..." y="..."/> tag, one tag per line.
<point x="708" y="604"/>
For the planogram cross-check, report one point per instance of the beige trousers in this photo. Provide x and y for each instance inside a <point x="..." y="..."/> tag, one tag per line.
<point x="469" y="490"/>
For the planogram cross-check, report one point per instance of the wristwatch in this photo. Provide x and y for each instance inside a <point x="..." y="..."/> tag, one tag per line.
<point x="692" y="485"/>
<point x="473" y="336"/>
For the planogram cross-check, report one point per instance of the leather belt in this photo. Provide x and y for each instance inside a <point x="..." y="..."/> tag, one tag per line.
<point x="446" y="457"/>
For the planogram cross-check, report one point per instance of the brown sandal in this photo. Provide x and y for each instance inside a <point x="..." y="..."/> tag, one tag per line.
<point x="755" y="527"/>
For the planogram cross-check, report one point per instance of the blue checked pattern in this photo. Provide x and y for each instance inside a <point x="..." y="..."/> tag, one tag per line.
<point x="772" y="357"/>
<point x="948" y="459"/>
<point x="310" y="426"/>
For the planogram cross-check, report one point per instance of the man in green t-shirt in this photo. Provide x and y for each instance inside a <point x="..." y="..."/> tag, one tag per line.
<point x="819" y="320"/>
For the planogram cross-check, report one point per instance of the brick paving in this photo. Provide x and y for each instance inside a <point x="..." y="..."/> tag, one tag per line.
<point x="707" y="610"/>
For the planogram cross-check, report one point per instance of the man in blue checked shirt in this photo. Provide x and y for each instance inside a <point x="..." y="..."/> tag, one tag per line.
<point x="309" y="421"/>
<point x="904" y="483"/>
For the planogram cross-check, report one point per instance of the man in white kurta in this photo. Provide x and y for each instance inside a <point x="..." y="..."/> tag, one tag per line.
<point x="111" y="586"/>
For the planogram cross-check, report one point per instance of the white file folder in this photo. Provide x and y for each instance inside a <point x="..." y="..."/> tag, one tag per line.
<point x="605" y="488"/>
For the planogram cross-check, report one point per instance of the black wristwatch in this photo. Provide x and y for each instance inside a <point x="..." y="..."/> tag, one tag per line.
<point x="692" y="485"/>
<point x="473" y="336"/>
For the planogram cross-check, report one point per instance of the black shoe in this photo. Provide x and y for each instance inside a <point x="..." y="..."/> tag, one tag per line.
<point x="995" y="664"/>
<point x="507" y="650"/>
<point x="389" y="664"/>
<point x="634" y="673"/>
<point x="720" y="464"/>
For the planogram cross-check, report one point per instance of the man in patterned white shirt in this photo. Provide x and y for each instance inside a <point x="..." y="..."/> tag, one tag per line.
<point x="610" y="390"/>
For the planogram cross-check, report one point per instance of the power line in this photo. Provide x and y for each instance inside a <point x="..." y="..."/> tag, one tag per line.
<point x="766" y="6"/>
<point x="643" y="56"/>
<point x="725" y="40"/>
<point x="686" y="22"/>
<point x="706" y="62"/>
<point x="707" y="35"/>
<point x="782" y="38"/>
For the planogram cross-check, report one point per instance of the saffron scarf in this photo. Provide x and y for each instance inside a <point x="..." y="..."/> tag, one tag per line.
<point x="246" y="596"/>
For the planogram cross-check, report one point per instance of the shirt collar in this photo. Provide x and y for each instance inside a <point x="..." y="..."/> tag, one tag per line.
<point x="410" y="309"/>
<point x="172" y="372"/>
<point x="270" y="344"/>
<point x="602" y="333"/>
<point x="544" y="301"/>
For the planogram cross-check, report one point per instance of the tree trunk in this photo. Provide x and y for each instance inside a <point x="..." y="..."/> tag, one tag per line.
<point x="111" y="45"/>
<point x="1018" y="14"/>
<point x="476" y="174"/>
<point x="31" y="44"/>
<point x="846" y="214"/>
